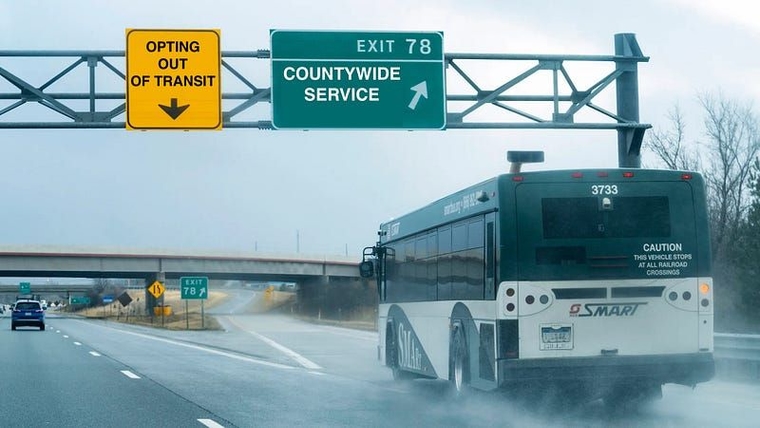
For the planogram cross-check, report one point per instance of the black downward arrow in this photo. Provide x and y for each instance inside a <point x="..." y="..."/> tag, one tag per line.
<point x="174" y="111"/>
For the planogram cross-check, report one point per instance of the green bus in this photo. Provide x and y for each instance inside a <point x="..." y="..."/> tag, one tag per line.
<point x="593" y="281"/>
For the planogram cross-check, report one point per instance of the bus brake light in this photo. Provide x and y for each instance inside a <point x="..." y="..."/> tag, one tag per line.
<point x="517" y="178"/>
<point x="628" y="174"/>
<point x="602" y="174"/>
<point x="685" y="176"/>
<point x="577" y="175"/>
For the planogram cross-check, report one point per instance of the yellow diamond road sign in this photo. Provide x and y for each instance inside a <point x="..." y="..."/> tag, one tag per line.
<point x="173" y="79"/>
<point x="156" y="289"/>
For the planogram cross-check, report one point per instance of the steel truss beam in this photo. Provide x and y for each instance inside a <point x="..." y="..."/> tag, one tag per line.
<point x="563" y="105"/>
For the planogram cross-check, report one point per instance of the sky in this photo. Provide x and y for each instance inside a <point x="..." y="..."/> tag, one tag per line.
<point x="325" y="192"/>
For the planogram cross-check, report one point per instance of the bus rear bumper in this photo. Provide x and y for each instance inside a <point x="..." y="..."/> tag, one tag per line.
<point x="684" y="369"/>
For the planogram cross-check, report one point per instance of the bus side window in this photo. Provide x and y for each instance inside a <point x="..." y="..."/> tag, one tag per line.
<point x="490" y="291"/>
<point x="444" y="263"/>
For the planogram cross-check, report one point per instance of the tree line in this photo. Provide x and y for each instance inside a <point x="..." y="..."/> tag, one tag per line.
<point x="726" y="154"/>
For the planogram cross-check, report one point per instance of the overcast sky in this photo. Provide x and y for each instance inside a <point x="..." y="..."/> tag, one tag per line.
<point x="245" y="189"/>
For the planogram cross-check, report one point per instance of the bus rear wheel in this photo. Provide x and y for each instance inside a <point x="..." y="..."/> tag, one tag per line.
<point x="459" y="364"/>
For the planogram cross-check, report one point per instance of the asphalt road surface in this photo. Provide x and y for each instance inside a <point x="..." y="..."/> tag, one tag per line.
<point x="274" y="370"/>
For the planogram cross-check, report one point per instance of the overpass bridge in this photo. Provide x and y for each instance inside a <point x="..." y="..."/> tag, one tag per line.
<point x="310" y="272"/>
<point x="169" y="264"/>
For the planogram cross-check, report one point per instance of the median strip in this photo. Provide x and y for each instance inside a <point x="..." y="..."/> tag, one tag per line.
<point x="204" y="349"/>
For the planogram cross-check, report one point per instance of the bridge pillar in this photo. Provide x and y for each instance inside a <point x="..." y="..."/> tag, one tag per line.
<point x="150" y="301"/>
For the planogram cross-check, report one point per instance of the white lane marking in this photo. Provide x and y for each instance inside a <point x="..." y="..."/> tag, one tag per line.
<point x="129" y="374"/>
<point x="77" y="343"/>
<point x="300" y="359"/>
<point x="201" y="348"/>
<point x="210" y="423"/>
<point x="94" y="354"/>
<point x="58" y="331"/>
<point x="65" y="336"/>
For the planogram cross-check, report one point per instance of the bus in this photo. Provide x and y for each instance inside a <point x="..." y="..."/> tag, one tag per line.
<point x="596" y="282"/>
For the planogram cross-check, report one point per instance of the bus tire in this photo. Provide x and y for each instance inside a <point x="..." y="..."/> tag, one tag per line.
<point x="459" y="363"/>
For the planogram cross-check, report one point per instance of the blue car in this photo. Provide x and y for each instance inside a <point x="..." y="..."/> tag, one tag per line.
<point x="28" y="313"/>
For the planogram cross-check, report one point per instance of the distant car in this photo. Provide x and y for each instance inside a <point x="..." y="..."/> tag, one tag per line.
<point x="28" y="313"/>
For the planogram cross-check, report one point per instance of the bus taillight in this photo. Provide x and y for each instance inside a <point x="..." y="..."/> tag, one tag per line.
<point x="627" y="174"/>
<point x="577" y="175"/>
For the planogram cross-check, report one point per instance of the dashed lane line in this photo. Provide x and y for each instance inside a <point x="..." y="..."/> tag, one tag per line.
<point x="129" y="374"/>
<point x="210" y="423"/>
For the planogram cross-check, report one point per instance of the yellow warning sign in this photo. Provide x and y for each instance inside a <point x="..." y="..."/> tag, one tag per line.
<point x="173" y="79"/>
<point x="156" y="289"/>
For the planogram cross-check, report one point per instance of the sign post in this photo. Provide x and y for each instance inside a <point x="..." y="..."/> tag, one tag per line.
<point x="25" y="288"/>
<point x="376" y="80"/>
<point x="157" y="290"/>
<point x="173" y="79"/>
<point x="196" y="288"/>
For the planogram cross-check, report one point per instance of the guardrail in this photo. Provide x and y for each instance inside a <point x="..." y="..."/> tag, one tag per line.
<point x="737" y="356"/>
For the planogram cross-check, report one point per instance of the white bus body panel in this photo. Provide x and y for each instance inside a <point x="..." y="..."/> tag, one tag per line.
<point x="620" y="326"/>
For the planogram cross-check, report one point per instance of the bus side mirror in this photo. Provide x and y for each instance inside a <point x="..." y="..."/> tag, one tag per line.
<point x="367" y="269"/>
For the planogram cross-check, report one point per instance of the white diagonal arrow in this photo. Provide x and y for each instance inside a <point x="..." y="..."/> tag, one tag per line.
<point x="420" y="90"/>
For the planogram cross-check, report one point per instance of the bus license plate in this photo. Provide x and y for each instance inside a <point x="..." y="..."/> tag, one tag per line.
<point x="556" y="337"/>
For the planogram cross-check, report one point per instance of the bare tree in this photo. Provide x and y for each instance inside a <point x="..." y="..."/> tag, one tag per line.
<point x="669" y="144"/>
<point x="733" y="143"/>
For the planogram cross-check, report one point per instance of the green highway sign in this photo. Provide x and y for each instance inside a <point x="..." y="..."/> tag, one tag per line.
<point x="193" y="287"/>
<point x="25" y="288"/>
<point x="346" y="80"/>
<point x="83" y="300"/>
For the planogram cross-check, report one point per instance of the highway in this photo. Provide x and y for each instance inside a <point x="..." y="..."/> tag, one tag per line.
<point x="274" y="370"/>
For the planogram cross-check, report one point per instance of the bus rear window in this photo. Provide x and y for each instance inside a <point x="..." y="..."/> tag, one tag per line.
<point x="606" y="217"/>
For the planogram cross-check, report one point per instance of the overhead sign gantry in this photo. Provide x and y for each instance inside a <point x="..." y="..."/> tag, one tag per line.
<point x="173" y="79"/>
<point x="399" y="88"/>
